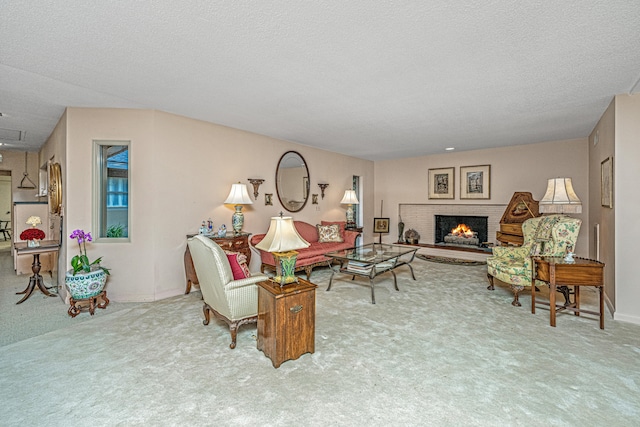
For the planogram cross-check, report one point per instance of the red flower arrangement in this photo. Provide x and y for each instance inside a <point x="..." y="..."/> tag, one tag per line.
<point x="32" y="234"/>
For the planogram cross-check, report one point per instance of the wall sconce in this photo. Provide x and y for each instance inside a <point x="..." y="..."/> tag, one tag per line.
<point x="322" y="188"/>
<point x="256" y="185"/>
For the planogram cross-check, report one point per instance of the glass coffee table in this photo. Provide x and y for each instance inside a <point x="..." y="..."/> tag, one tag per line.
<point x="372" y="260"/>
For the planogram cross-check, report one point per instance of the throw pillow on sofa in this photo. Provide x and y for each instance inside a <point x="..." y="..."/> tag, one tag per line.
<point x="329" y="234"/>
<point x="341" y="224"/>
<point x="238" y="263"/>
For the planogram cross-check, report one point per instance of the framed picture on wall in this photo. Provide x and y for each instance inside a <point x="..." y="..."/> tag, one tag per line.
<point x="441" y="183"/>
<point x="606" y="182"/>
<point x="380" y="225"/>
<point x="475" y="182"/>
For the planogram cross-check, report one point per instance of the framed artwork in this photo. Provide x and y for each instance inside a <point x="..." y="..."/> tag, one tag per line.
<point x="314" y="199"/>
<point x="441" y="183"/>
<point x="475" y="182"/>
<point x="606" y="182"/>
<point x="380" y="225"/>
<point x="268" y="199"/>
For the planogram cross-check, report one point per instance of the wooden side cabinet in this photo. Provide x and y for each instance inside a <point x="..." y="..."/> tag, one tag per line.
<point x="232" y="242"/>
<point x="286" y="320"/>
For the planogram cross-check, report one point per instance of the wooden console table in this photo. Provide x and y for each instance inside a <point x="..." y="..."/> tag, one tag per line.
<point x="231" y="242"/>
<point x="286" y="320"/>
<point x="556" y="272"/>
<point x="46" y="246"/>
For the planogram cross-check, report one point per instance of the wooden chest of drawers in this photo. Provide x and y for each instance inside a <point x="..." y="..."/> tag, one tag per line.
<point x="286" y="320"/>
<point x="231" y="242"/>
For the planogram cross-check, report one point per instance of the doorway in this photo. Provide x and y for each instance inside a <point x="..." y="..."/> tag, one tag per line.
<point x="5" y="211"/>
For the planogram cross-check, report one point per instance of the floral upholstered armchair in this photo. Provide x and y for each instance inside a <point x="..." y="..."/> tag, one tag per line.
<point x="551" y="235"/>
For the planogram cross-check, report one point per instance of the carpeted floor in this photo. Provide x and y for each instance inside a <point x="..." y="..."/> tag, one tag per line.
<point x="38" y="314"/>
<point x="441" y="351"/>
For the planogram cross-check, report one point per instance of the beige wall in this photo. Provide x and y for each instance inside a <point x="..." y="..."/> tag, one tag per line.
<point x="627" y="206"/>
<point x="517" y="168"/>
<point x="181" y="172"/>
<point x="54" y="151"/>
<point x="602" y="146"/>
<point x="14" y="161"/>
<point x="616" y="136"/>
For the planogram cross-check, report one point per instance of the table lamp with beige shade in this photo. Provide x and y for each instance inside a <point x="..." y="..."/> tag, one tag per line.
<point x="560" y="198"/>
<point x="282" y="240"/>
<point x="350" y="199"/>
<point x="238" y="196"/>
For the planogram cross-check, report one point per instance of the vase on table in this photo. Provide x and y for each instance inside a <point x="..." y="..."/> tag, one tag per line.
<point x="33" y="243"/>
<point x="84" y="285"/>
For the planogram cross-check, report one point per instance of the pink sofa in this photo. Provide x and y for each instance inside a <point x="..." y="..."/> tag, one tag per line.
<point x="312" y="256"/>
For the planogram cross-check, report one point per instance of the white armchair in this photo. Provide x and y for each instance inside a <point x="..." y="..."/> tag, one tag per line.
<point x="232" y="301"/>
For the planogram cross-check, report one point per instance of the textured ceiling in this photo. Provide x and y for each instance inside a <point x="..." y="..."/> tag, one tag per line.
<point x="371" y="79"/>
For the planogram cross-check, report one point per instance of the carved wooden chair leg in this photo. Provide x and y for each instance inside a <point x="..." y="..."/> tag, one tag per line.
<point x="516" y="290"/>
<point x="233" y="328"/>
<point x="308" y="269"/>
<point x="207" y="314"/>
<point x="490" y="278"/>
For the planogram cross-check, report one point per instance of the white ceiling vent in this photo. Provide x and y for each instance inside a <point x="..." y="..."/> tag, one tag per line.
<point x="11" y="135"/>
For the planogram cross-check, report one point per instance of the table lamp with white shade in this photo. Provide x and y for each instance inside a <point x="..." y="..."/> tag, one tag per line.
<point x="238" y="196"/>
<point x="350" y="199"/>
<point x="282" y="240"/>
<point x="560" y="197"/>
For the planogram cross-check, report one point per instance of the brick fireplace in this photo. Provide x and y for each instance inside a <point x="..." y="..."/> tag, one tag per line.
<point x="421" y="217"/>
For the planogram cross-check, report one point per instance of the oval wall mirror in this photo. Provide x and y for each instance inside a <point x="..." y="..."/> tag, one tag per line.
<point x="55" y="188"/>
<point x="292" y="181"/>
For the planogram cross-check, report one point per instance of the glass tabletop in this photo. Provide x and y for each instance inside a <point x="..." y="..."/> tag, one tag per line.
<point x="373" y="253"/>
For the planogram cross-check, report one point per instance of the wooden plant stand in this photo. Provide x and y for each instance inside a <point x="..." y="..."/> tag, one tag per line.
<point x="77" y="306"/>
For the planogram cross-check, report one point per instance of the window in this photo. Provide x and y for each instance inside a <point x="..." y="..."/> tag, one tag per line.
<point x="357" y="209"/>
<point x="112" y="184"/>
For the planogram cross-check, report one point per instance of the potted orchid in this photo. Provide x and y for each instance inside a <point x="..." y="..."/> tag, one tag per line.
<point x="86" y="279"/>
<point x="81" y="262"/>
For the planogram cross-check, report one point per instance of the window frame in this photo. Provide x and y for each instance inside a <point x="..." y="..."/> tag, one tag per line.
<point x="100" y="190"/>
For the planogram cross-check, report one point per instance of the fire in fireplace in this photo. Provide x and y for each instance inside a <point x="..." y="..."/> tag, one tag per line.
<point x="462" y="235"/>
<point x="459" y="230"/>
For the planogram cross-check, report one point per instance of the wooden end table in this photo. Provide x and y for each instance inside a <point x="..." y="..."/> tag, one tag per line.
<point x="286" y="320"/>
<point x="36" y="280"/>
<point x="557" y="272"/>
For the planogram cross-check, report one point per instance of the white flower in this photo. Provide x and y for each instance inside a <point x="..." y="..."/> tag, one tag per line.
<point x="34" y="220"/>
